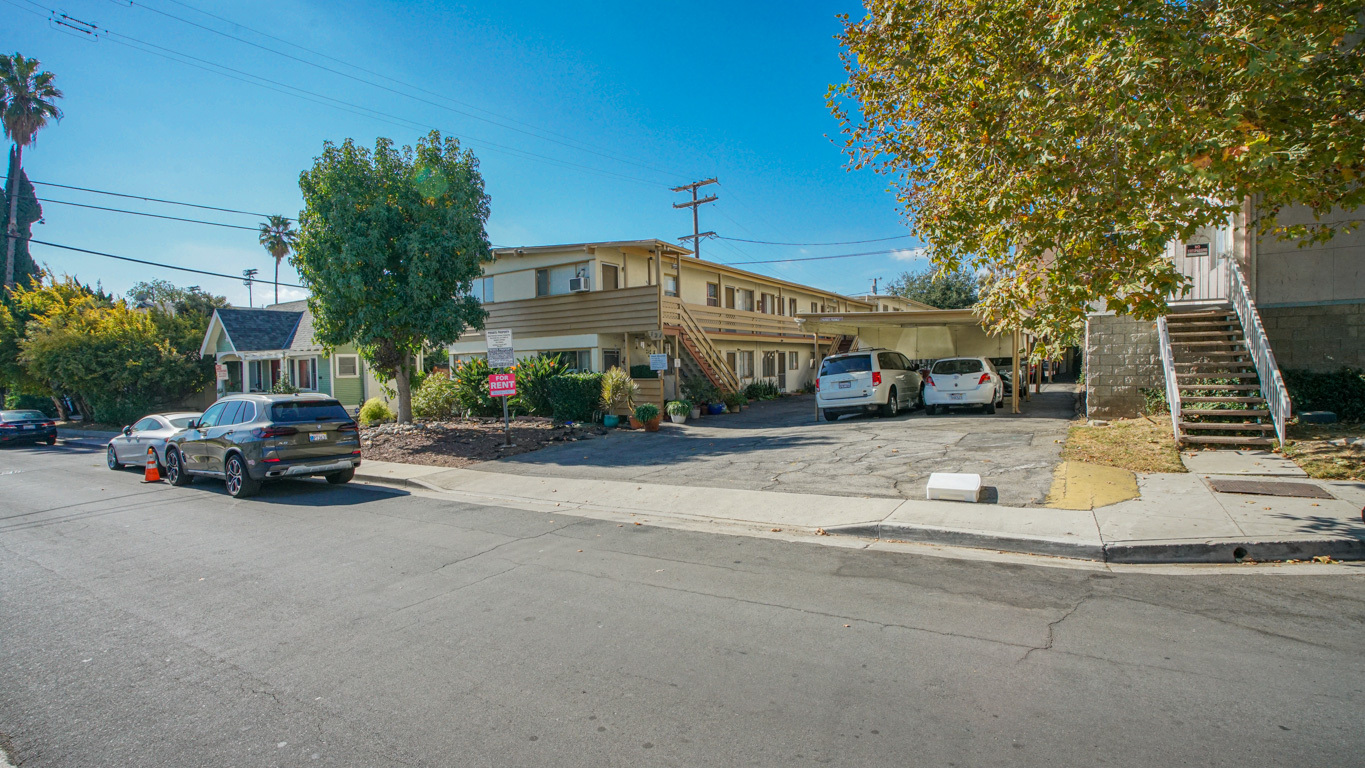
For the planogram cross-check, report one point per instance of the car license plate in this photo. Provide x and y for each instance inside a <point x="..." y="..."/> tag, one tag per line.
<point x="954" y="395"/>
<point x="316" y="436"/>
<point x="845" y="384"/>
<point x="26" y="426"/>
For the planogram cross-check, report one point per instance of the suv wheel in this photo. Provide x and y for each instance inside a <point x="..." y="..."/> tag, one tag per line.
<point x="175" y="468"/>
<point x="342" y="477"/>
<point x="239" y="483"/>
<point x="893" y="404"/>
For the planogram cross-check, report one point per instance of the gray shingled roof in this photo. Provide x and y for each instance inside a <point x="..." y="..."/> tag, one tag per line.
<point x="303" y="336"/>
<point x="258" y="330"/>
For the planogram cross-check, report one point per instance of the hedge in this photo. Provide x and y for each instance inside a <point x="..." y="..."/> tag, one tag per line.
<point x="1342" y="392"/>
<point x="574" y="395"/>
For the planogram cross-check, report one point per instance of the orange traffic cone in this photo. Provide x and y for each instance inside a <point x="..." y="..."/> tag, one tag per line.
<point x="151" y="475"/>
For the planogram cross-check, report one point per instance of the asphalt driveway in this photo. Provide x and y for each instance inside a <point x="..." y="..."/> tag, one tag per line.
<point x="778" y="446"/>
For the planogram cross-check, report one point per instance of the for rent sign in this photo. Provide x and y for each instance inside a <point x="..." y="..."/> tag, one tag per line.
<point x="502" y="384"/>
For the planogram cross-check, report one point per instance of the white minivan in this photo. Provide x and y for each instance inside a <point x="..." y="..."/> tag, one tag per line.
<point x="961" y="381"/>
<point x="866" y="381"/>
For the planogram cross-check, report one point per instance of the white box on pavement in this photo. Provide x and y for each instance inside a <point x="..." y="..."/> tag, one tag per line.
<point x="954" y="486"/>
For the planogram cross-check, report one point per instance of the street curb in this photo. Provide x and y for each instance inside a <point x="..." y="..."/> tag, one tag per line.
<point x="87" y="433"/>
<point x="402" y="482"/>
<point x="1145" y="553"/>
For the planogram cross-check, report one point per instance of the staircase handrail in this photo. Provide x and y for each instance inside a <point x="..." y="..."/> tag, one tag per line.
<point x="1267" y="370"/>
<point x="694" y="331"/>
<point x="1168" y="370"/>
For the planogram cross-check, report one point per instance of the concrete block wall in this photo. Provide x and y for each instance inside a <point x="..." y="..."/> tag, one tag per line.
<point x="1317" y="338"/>
<point x="1122" y="358"/>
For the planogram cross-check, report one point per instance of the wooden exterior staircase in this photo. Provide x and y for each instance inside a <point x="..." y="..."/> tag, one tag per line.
<point x="842" y="344"/>
<point x="705" y="358"/>
<point x="1219" y="393"/>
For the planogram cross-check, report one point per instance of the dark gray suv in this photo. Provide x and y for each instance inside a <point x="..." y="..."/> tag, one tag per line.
<point x="247" y="439"/>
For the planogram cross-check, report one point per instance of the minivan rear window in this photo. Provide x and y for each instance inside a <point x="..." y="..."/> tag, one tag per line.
<point x="309" y="410"/>
<point x="856" y="364"/>
<point x="948" y="367"/>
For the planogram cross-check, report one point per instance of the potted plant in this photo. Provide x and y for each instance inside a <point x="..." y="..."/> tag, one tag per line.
<point x="734" y="401"/>
<point x="618" y="393"/>
<point x="648" y="415"/>
<point x="678" y="411"/>
<point x="695" y="412"/>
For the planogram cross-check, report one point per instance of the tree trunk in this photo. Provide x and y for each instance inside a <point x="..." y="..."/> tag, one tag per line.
<point x="403" y="382"/>
<point x="277" y="279"/>
<point x="62" y="412"/>
<point x="12" y="227"/>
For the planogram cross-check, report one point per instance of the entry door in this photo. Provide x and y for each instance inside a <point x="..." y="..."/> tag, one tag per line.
<point x="782" y="371"/>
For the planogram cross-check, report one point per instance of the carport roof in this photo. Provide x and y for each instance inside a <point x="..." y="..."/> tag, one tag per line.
<point x="918" y="334"/>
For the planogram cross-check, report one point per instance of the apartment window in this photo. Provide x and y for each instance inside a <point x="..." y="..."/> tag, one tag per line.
<point x="611" y="277"/>
<point x="577" y="360"/>
<point x="729" y="297"/>
<point x="542" y="282"/>
<point x="611" y="358"/>
<point x="746" y="299"/>
<point x="885" y="308"/>
<point x="670" y="285"/>
<point x="792" y="302"/>
<point x="746" y="363"/>
<point x="793" y="361"/>
<point x="304" y="372"/>
<point x="768" y="304"/>
<point x="481" y="288"/>
<point x="348" y="366"/>
<point x="781" y="306"/>
<point x="769" y="364"/>
<point x="814" y="307"/>
<point x="713" y="294"/>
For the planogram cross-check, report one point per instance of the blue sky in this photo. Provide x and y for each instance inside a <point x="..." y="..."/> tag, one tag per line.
<point x="591" y="112"/>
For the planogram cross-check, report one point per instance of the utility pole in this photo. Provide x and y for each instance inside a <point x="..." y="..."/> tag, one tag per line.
<point x="250" y="277"/>
<point x="694" y="203"/>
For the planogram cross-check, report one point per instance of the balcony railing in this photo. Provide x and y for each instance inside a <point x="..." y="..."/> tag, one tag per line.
<point x="625" y="310"/>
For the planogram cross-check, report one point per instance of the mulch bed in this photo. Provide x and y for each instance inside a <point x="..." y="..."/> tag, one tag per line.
<point x="461" y="442"/>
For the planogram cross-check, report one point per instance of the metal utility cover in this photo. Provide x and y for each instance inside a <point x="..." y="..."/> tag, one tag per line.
<point x="1270" y="488"/>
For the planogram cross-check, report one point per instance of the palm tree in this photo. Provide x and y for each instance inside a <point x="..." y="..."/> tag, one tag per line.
<point x="279" y="237"/>
<point x="27" y="99"/>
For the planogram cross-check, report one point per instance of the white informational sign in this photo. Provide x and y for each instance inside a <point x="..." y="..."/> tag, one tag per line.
<point x="220" y="372"/>
<point x="658" y="362"/>
<point x="500" y="354"/>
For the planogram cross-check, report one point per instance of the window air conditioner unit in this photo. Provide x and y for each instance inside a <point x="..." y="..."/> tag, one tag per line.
<point x="579" y="285"/>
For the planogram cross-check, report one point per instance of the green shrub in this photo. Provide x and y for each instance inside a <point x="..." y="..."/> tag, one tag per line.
<point x="646" y="411"/>
<point x="435" y="398"/>
<point x="533" y="376"/>
<point x="471" y="389"/>
<point x="762" y="390"/>
<point x="1154" y="401"/>
<point x="699" y="390"/>
<point x="734" y="399"/>
<point x="1341" y="392"/>
<point x="284" y="386"/>
<point x="375" y="410"/>
<point x="678" y="407"/>
<point x="574" y="396"/>
<point x="642" y="372"/>
<point x="31" y="403"/>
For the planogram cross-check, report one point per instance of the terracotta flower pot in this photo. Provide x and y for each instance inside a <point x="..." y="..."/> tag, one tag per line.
<point x="652" y="425"/>
<point x="635" y="423"/>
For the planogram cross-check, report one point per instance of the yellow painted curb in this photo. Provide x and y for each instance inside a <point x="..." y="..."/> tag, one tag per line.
<point x="1078" y="485"/>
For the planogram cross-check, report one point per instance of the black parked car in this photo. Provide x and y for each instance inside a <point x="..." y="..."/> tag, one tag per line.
<point x="247" y="439"/>
<point x="27" y="427"/>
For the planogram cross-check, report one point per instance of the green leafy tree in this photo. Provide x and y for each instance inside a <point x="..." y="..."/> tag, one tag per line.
<point x="389" y="243"/>
<point x="953" y="290"/>
<point x="28" y="211"/>
<point x="35" y="300"/>
<point x="279" y="238"/>
<point x="27" y="102"/>
<point x="1063" y="144"/>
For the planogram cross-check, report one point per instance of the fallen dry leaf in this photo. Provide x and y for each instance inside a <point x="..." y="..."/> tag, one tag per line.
<point x="637" y="523"/>
<point x="846" y="626"/>
<point x="777" y="530"/>
<point x="821" y="532"/>
<point x="1324" y="559"/>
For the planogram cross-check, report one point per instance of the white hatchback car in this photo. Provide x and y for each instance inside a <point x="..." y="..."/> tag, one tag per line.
<point x="865" y="381"/>
<point x="961" y="381"/>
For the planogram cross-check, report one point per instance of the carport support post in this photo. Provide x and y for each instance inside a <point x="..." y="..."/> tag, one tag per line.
<point x="815" y="341"/>
<point x="1014" y="374"/>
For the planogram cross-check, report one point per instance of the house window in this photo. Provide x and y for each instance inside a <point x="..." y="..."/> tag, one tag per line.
<point x="542" y="282"/>
<point x="729" y="297"/>
<point x="792" y="302"/>
<point x="262" y="375"/>
<point x="304" y="372"/>
<point x="348" y="366"/>
<point x="611" y="277"/>
<point x="670" y="285"/>
<point x="793" y="361"/>
<point x="713" y="294"/>
<point x="611" y="358"/>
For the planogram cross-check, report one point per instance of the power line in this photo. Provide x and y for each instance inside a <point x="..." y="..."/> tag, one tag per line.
<point x="841" y="242"/>
<point x="150" y="199"/>
<point x="836" y="256"/>
<point x="150" y="263"/>
<point x="141" y="213"/>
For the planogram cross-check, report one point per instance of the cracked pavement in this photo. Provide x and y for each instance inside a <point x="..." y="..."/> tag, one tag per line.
<point x="777" y="446"/>
<point x="320" y="625"/>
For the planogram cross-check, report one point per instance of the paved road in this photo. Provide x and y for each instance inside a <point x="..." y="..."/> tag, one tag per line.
<point x="778" y="446"/>
<point x="153" y="626"/>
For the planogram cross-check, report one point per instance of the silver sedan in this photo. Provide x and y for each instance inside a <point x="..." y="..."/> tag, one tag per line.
<point x="149" y="432"/>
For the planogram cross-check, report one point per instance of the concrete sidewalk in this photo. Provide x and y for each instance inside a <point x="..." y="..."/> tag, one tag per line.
<point x="1177" y="518"/>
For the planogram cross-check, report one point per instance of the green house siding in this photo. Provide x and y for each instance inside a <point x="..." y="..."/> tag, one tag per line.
<point x="350" y="391"/>
<point x="325" y="375"/>
<point x="223" y="344"/>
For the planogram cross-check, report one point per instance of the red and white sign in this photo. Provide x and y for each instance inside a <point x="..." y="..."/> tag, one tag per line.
<point x="220" y="371"/>
<point x="502" y="384"/>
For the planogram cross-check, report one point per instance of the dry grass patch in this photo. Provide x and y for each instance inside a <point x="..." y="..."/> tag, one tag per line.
<point x="1318" y="449"/>
<point x="1137" y="445"/>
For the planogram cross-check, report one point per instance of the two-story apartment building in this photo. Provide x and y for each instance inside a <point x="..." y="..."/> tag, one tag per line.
<point x="613" y="303"/>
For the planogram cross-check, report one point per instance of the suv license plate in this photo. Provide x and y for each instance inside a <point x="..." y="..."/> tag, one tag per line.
<point x="845" y="384"/>
<point x="316" y="436"/>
